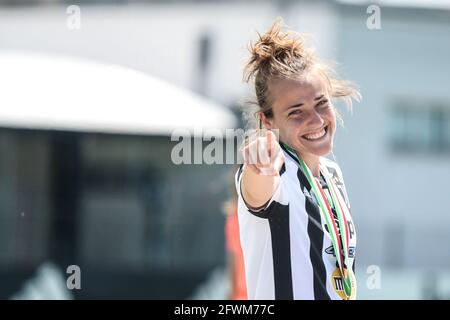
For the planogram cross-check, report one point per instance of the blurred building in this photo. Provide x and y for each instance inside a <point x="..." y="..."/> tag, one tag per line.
<point x="394" y="149"/>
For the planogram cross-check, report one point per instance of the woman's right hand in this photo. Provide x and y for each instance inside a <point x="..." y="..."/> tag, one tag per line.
<point x="263" y="155"/>
<point x="263" y="159"/>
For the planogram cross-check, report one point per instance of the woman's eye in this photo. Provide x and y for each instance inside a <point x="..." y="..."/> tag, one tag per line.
<point x="295" y="112"/>
<point x="323" y="103"/>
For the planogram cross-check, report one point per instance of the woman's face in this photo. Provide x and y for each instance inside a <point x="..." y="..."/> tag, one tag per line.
<point x="303" y="113"/>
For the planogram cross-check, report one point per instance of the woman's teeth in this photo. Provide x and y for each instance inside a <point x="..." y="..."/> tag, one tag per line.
<point x="316" y="135"/>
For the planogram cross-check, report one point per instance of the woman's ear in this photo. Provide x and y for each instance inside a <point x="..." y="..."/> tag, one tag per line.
<point x="265" y="121"/>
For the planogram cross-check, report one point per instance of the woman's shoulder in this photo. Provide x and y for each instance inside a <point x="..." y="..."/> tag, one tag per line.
<point x="332" y="167"/>
<point x="328" y="162"/>
<point x="335" y="170"/>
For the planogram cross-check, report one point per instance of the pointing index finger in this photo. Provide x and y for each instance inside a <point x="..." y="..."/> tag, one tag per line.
<point x="269" y="138"/>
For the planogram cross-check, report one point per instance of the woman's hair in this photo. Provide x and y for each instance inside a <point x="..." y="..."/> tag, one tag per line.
<point x="282" y="54"/>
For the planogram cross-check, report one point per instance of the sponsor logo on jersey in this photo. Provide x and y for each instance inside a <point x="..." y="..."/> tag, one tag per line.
<point x="351" y="251"/>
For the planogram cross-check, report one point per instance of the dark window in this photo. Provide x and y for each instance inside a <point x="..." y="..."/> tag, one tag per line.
<point x="419" y="128"/>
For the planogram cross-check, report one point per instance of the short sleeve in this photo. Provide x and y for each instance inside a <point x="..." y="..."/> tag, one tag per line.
<point x="265" y="210"/>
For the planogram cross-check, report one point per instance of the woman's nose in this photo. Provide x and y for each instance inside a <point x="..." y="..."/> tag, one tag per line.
<point x="315" y="119"/>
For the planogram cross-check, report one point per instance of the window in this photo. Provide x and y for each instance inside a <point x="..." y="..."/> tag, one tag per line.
<point x="415" y="127"/>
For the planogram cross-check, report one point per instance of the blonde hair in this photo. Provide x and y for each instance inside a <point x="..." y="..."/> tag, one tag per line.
<point x="283" y="54"/>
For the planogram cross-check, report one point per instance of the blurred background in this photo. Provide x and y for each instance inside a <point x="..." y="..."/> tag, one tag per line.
<point x="90" y="92"/>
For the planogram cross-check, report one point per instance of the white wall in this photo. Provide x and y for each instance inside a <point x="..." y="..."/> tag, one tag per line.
<point x="163" y="39"/>
<point x="408" y="57"/>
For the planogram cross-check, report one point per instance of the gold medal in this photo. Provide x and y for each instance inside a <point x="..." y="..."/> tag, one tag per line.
<point x="338" y="284"/>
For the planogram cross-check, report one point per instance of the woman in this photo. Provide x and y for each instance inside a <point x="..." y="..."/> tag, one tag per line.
<point x="296" y="231"/>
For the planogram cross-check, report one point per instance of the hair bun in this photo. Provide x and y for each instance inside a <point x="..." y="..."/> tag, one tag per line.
<point x="275" y="45"/>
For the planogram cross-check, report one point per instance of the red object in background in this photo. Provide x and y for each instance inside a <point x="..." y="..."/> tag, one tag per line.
<point x="233" y="243"/>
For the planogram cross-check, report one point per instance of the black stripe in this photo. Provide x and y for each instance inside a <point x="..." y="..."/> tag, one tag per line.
<point x="281" y="252"/>
<point x="265" y="213"/>
<point x="315" y="234"/>
<point x="240" y="171"/>
<point x="241" y="167"/>
<point x="283" y="169"/>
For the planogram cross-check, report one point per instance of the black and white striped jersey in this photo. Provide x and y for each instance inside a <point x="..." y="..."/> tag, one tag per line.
<point x="287" y="249"/>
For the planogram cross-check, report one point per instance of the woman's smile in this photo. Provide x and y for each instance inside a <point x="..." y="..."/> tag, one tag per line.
<point x="316" y="135"/>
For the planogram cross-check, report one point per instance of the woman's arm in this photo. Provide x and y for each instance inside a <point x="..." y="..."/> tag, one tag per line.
<point x="263" y="159"/>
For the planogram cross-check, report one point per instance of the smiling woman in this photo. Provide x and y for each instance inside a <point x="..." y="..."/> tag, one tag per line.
<point x="296" y="231"/>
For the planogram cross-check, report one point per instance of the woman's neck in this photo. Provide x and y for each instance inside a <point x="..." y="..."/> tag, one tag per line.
<point x="312" y="161"/>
